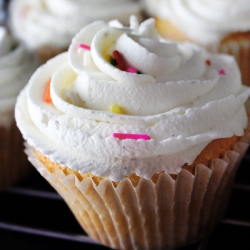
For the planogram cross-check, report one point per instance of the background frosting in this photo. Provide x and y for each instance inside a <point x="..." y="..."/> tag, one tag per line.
<point x="55" y="22"/>
<point x="16" y="66"/>
<point x="204" y="21"/>
<point x="184" y="98"/>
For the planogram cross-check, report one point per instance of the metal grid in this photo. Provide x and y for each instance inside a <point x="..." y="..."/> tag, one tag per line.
<point x="33" y="215"/>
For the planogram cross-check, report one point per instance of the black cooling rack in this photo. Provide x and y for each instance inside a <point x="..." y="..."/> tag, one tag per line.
<point x="34" y="216"/>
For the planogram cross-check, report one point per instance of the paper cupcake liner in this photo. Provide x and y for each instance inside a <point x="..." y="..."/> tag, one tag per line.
<point x="14" y="165"/>
<point x="168" y="214"/>
<point x="238" y="45"/>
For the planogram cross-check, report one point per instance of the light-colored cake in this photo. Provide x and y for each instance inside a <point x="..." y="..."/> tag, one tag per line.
<point x="16" y="66"/>
<point x="141" y="136"/>
<point x="47" y="27"/>
<point x="220" y="26"/>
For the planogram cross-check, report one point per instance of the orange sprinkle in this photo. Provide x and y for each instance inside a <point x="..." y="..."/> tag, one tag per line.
<point x="47" y="97"/>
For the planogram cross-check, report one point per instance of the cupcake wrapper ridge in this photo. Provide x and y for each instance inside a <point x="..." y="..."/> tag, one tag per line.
<point x="164" y="215"/>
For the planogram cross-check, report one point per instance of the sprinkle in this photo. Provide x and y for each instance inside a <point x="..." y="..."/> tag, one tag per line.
<point x="83" y="46"/>
<point x="119" y="59"/>
<point x="13" y="47"/>
<point x="208" y="62"/>
<point x="131" y="70"/>
<point x="47" y="97"/>
<point x="87" y="59"/>
<point x="222" y="72"/>
<point x="113" y="62"/>
<point x="139" y="72"/>
<point x="123" y="136"/>
<point x="116" y="109"/>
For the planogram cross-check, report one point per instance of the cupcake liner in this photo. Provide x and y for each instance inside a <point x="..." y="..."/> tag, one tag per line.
<point x="14" y="165"/>
<point x="238" y="45"/>
<point x="168" y="214"/>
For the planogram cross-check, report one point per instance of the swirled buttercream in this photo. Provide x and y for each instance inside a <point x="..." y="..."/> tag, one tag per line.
<point x="204" y="21"/>
<point x="178" y="95"/>
<point x="46" y="22"/>
<point x="16" y="66"/>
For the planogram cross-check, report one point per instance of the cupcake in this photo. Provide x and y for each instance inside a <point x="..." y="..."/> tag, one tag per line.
<point x="220" y="26"/>
<point x="47" y="27"/>
<point x="2" y="12"/>
<point x="141" y="136"/>
<point x="16" y="66"/>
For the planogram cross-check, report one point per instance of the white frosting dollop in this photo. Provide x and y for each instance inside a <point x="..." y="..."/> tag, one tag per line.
<point x="204" y="21"/>
<point x="16" y="67"/>
<point x="46" y="22"/>
<point x="184" y="99"/>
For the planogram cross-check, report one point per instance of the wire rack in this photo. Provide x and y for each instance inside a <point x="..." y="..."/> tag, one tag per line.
<point x="34" y="216"/>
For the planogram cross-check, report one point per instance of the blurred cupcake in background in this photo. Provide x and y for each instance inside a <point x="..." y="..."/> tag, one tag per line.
<point x="220" y="26"/>
<point x="47" y="27"/>
<point x="2" y="12"/>
<point x="16" y="66"/>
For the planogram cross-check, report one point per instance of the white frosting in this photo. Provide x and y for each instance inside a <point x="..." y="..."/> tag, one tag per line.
<point x="178" y="100"/>
<point x="16" y="67"/>
<point x="46" y="22"/>
<point x="204" y="21"/>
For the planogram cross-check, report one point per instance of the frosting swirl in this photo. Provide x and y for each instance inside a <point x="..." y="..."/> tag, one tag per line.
<point x="204" y="21"/>
<point x="182" y="98"/>
<point x="46" y="22"/>
<point x="16" y="66"/>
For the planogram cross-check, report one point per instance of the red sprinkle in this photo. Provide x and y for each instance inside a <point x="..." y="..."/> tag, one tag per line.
<point x="131" y="70"/>
<point x="222" y="72"/>
<point x="83" y="46"/>
<point x="119" y="59"/>
<point x="124" y="136"/>
<point x="208" y="62"/>
<point x="47" y="97"/>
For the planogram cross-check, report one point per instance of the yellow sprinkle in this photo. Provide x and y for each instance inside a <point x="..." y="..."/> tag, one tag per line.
<point x="116" y="109"/>
<point x="107" y="57"/>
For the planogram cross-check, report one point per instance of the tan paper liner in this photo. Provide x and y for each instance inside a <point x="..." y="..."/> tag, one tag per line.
<point x="238" y="45"/>
<point x="14" y="165"/>
<point x="166" y="215"/>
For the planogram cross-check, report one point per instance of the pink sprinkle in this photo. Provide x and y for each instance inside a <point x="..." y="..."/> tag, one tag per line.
<point x="131" y="70"/>
<point x="222" y="72"/>
<point x="83" y="46"/>
<point x="123" y="136"/>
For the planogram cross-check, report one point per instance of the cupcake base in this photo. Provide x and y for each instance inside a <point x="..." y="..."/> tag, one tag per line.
<point x="166" y="212"/>
<point x="238" y="45"/>
<point x="14" y="165"/>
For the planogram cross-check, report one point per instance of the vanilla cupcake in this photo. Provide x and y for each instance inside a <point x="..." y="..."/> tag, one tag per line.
<point x="16" y="66"/>
<point x="220" y="26"/>
<point x="47" y="27"/>
<point x="141" y="137"/>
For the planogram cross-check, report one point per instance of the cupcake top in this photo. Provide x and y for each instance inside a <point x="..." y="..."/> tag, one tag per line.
<point x="204" y="21"/>
<point x="46" y="22"/>
<point x="122" y="101"/>
<point x="16" y="67"/>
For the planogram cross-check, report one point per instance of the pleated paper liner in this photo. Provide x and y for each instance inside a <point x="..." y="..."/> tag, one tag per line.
<point x="238" y="45"/>
<point x="168" y="214"/>
<point x="14" y="165"/>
